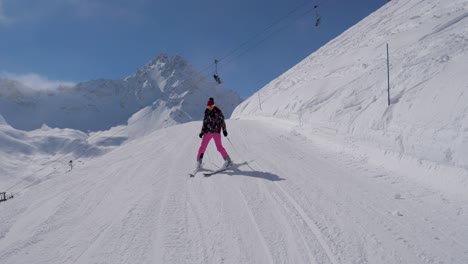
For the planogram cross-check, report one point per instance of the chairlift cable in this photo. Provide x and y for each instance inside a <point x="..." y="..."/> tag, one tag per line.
<point x="266" y="38"/>
<point x="264" y="30"/>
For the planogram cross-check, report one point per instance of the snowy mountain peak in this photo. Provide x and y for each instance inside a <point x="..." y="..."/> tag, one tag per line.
<point x="169" y="82"/>
<point x="157" y="63"/>
<point x="161" y="63"/>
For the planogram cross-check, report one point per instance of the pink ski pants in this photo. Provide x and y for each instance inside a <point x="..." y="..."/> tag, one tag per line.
<point x="217" y="139"/>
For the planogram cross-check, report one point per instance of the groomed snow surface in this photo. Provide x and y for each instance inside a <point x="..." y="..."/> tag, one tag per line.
<point x="290" y="200"/>
<point x="327" y="171"/>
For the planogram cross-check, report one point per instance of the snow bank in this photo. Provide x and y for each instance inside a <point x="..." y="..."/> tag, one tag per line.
<point x="342" y="88"/>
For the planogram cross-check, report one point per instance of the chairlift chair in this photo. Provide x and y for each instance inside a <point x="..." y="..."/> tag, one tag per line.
<point x="317" y="15"/>
<point x="215" y="74"/>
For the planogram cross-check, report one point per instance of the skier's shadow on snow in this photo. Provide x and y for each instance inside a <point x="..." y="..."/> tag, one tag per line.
<point x="235" y="171"/>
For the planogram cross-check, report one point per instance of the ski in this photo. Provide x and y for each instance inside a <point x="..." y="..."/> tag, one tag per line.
<point x="233" y="165"/>
<point x="208" y="174"/>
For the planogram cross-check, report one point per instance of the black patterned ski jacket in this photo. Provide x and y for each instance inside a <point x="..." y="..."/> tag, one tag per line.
<point x="213" y="121"/>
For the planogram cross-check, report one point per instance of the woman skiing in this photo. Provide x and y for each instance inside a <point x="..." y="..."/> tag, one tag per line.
<point x="213" y="122"/>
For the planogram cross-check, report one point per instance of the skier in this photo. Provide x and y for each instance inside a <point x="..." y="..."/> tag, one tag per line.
<point x="213" y="122"/>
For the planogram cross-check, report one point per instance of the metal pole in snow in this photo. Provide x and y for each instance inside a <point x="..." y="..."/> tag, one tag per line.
<point x="259" y="101"/>
<point x="388" y="77"/>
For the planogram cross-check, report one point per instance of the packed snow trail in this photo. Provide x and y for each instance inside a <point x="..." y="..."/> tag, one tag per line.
<point x="291" y="202"/>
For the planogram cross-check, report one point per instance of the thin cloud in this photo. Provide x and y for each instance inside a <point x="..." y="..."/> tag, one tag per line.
<point x="36" y="81"/>
<point x="84" y="9"/>
<point x="3" y="18"/>
<point x="115" y="8"/>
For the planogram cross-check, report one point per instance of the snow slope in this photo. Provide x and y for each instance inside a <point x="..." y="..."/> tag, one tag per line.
<point x="174" y="86"/>
<point x="341" y="90"/>
<point x="49" y="148"/>
<point x="289" y="201"/>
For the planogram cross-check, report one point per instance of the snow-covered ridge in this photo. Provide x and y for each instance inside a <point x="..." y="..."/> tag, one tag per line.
<point x="21" y="151"/>
<point x="342" y="88"/>
<point x="101" y="104"/>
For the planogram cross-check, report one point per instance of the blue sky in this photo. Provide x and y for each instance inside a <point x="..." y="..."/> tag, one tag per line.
<point x="80" y="40"/>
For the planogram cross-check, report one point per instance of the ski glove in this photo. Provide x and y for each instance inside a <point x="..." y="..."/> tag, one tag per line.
<point x="200" y="135"/>
<point x="225" y="133"/>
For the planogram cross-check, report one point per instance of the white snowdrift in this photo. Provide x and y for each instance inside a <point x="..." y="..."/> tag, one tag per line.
<point x="340" y="91"/>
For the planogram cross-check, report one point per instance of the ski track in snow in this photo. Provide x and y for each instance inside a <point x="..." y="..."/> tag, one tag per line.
<point x="291" y="202"/>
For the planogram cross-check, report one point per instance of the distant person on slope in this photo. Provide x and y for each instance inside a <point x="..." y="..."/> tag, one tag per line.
<point x="213" y="122"/>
